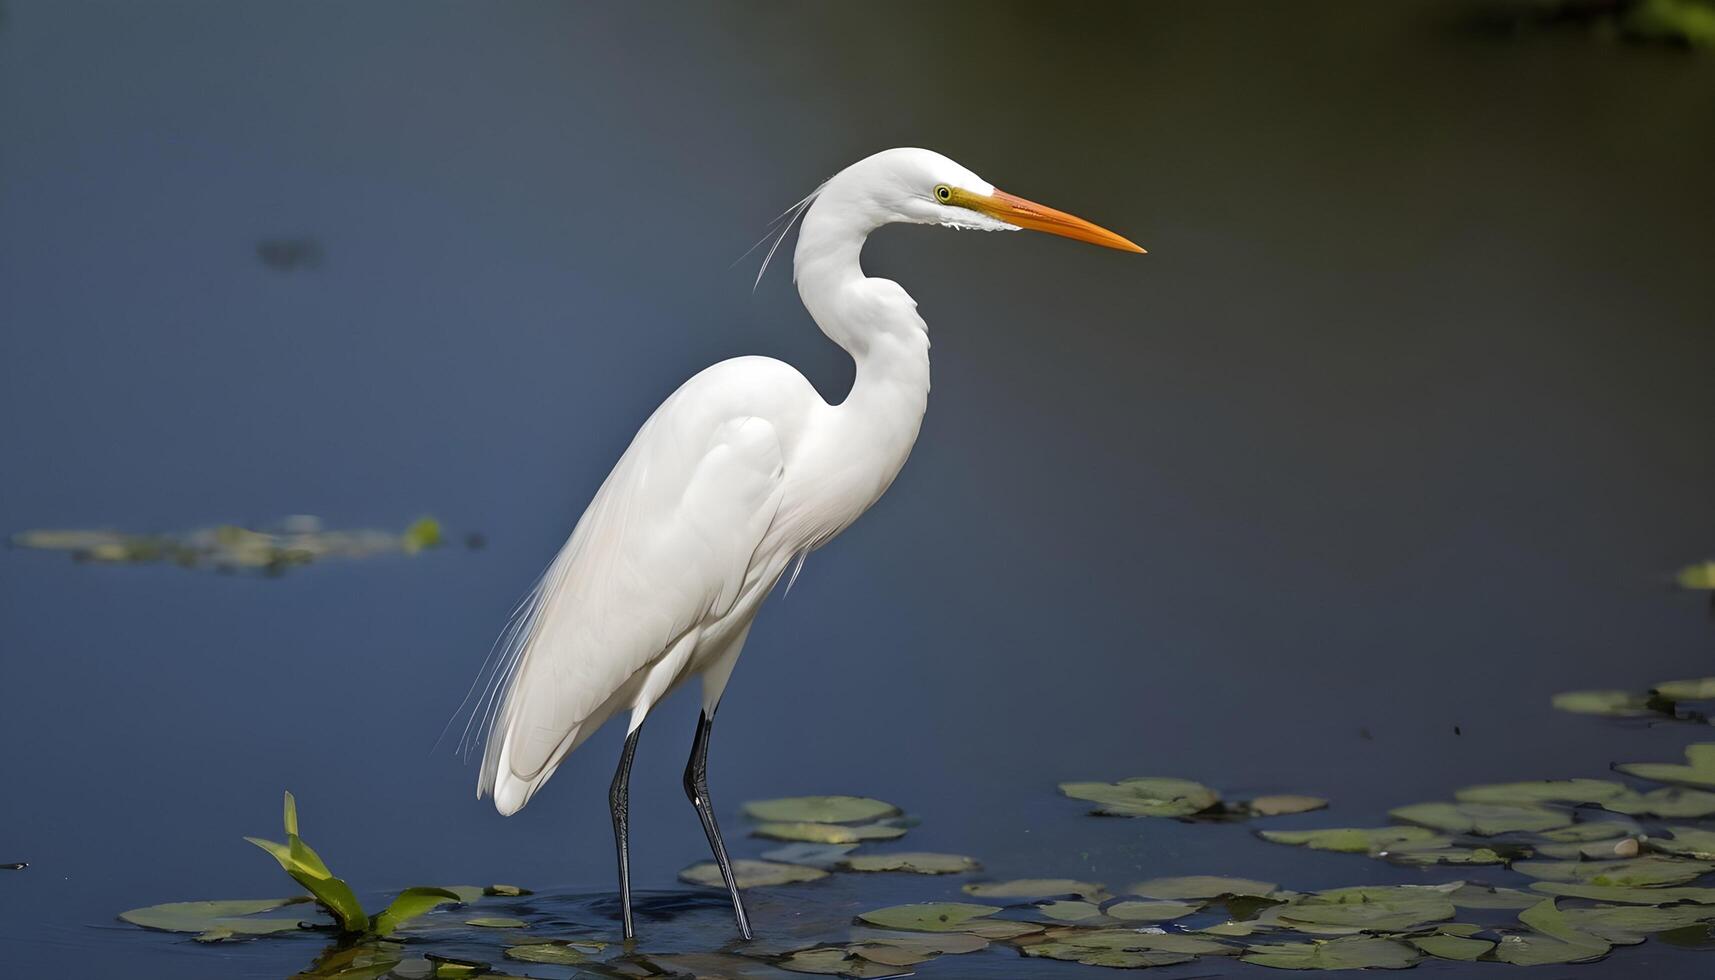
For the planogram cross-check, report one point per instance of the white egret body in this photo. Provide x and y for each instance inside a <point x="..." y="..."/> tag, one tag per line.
<point x="740" y="472"/>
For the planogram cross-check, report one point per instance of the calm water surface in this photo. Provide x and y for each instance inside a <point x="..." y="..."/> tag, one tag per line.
<point x="1395" y="432"/>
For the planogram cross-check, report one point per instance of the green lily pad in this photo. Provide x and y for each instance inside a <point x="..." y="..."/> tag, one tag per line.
<point x="1285" y="803"/>
<point x="751" y="874"/>
<point x="1542" y="791"/>
<point x="1669" y="802"/>
<point x="1482" y="819"/>
<point x="1145" y="796"/>
<point x="1691" y="689"/>
<point x="1699" y="769"/>
<point x="827" y="833"/>
<point x="1352" y="953"/>
<point x="834" y="960"/>
<point x="1036" y="888"/>
<point x="1392" y="913"/>
<point x="1627" y="924"/>
<point x="820" y="809"/>
<point x="1627" y="894"/>
<point x="929" y="916"/>
<point x="1469" y="896"/>
<point x="1440" y="850"/>
<point x="1067" y="910"/>
<point x="1131" y="910"/>
<point x="1691" y="842"/>
<point x="1452" y="947"/>
<point x="1594" y="831"/>
<point x="1609" y="704"/>
<point x="1643" y="872"/>
<point x="497" y="922"/>
<point x="1553" y="940"/>
<point x="914" y="862"/>
<point x="1349" y="840"/>
<point x="1701" y="577"/>
<point x="1116" y="958"/>
<point x="1136" y="940"/>
<point x="1200" y="886"/>
<point x="907" y="948"/>
<point x="204" y="916"/>
<point x="555" y="954"/>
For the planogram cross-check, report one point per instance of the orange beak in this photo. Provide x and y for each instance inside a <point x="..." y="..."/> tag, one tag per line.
<point x="1015" y="210"/>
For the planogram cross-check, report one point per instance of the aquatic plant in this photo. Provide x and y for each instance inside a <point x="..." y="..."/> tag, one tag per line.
<point x="294" y="542"/>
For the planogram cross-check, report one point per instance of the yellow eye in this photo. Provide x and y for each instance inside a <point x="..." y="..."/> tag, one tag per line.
<point x="943" y="193"/>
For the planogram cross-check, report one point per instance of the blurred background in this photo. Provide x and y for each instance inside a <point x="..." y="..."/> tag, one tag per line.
<point x="1403" y="425"/>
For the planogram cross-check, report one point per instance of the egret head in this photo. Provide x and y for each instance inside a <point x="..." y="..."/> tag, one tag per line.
<point x="924" y="187"/>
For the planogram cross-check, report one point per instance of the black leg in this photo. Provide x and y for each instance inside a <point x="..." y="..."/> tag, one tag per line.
<point x="619" y="802"/>
<point x="697" y="788"/>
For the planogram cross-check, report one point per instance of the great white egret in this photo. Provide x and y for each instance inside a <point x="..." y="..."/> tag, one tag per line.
<point x="740" y="472"/>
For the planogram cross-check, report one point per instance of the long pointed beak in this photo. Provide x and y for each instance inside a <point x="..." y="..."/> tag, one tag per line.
<point x="1015" y="210"/>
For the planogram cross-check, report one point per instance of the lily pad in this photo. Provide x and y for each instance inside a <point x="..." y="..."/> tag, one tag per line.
<point x="1067" y="910"/>
<point x="204" y="916"/>
<point x="1200" y="886"/>
<point x="1145" y="796"/>
<point x="1123" y="959"/>
<point x="929" y="916"/>
<point x="827" y="833"/>
<point x="1543" y="791"/>
<point x="1136" y="940"/>
<point x="497" y="922"/>
<point x="1699" y="769"/>
<point x="1700" y="577"/>
<point x="1627" y="894"/>
<point x="1644" y="872"/>
<point x="1452" y="947"/>
<point x="555" y="954"/>
<point x="835" y="960"/>
<point x="1626" y="924"/>
<point x="1553" y="940"/>
<point x="1349" y="840"/>
<point x="1285" y="803"/>
<point x="1692" y="689"/>
<point x="1609" y="704"/>
<point x="1691" y="842"/>
<point x="1595" y="830"/>
<point x="1440" y="850"/>
<point x="751" y="874"/>
<point x="1036" y="888"/>
<point x="820" y="809"/>
<point x="1482" y="819"/>
<point x="907" y="948"/>
<point x="1669" y="802"/>
<point x="1131" y="910"/>
<point x="1469" y="896"/>
<point x="1390" y="913"/>
<point x="1353" y="953"/>
<point x="914" y="862"/>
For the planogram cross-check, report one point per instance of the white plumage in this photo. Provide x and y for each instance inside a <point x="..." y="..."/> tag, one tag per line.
<point x="740" y="471"/>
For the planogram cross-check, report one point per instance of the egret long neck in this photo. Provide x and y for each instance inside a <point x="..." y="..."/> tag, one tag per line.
<point x="876" y="322"/>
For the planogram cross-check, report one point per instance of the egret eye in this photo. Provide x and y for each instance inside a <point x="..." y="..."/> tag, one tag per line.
<point x="943" y="193"/>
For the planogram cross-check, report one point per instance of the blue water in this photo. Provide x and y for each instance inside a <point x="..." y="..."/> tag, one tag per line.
<point x="1400" y="427"/>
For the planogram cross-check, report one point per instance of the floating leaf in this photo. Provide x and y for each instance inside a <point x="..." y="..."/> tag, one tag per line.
<point x="557" y="954"/>
<point x="915" y="862"/>
<point x="497" y="922"/>
<point x="928" y="916"/>
<point x="1691" y="842"/>
<point x="510" y="891"/>
<point x="1145" y="796"/>
<point x="1593" y="831"/>
<point x="1626" y="924"/>
<point x="1611" y="704"/>
<point x="1200" y="886"/>
<point x="1117" y="958"/>
<point x="751" y="874"/>
<point x="1543" y="791"/>
<point x="1452" y="947"/>
<point x="1482" y="819"/>
<point x="820" y="809"/>
<point x="1644" y="872"/>
<point x="907" y="948"/>
<point x="1627" y="895"/>
<point x="1554" y="940"/>
<point x="1135" y="940"/>
<point x="1070" y="911"/>
<point x="203" y="916"/>
<point x="1700" y="577"/>
<point x="409" y="904"/>
<point x="827" y="833"/>
<point x="1692" y="689"/>
<point x="1349" y="840"/>
<point x="1353" y="953"/>
<point x="1130" y="910"/>
<point x="1283" y="804"/>
<point x="1392" y="912"/>
<point x="1036" y="888"/>
<point x="836" y="960"/>
<point x="1468" y="896"/>
<point x="1668" y="802"/>
<point x="1439" y="850"/>
<point x="1699" y="769"/>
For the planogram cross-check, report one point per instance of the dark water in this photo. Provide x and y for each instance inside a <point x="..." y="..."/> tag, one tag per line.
<point x="1397" y="429"/>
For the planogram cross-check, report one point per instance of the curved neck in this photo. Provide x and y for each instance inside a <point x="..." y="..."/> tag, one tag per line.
<point x="873" y="320"/>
